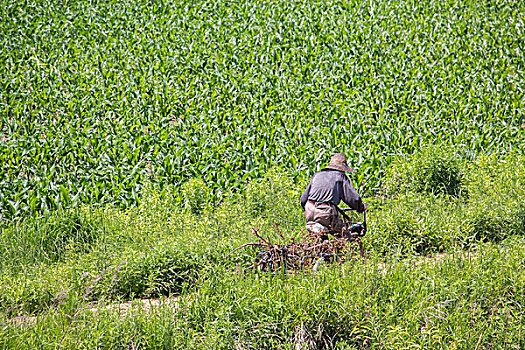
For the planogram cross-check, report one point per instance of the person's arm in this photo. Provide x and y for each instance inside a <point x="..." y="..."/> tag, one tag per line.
<point x="350" y="196"/>
<point x="304" y="196"/>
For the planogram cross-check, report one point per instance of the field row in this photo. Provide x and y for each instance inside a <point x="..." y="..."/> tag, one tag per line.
<point x="99" y="98"/>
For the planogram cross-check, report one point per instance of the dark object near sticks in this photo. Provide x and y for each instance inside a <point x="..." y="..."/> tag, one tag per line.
<point x="309" y="252"/>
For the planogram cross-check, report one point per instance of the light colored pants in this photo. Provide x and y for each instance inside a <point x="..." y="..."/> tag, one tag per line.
<point x="324" y="214"/>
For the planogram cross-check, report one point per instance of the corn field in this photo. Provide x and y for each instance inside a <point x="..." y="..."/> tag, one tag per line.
<point x="100" y="98"/>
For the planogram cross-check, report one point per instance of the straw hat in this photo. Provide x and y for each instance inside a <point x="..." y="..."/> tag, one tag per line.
<point x="338" y="162"/>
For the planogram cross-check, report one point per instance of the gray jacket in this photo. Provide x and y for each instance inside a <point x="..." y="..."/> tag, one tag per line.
<point x="332" y="186"/>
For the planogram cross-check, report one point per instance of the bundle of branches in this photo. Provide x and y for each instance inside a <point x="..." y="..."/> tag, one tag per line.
<point x="300" y="254"/>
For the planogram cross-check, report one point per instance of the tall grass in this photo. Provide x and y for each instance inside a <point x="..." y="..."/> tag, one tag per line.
<point x="53" y="267"/>
<point x="463" y="301"/>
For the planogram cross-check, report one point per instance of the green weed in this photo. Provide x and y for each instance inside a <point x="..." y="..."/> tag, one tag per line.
<point x="462" y="300"/>
<point x="436" y="169"/>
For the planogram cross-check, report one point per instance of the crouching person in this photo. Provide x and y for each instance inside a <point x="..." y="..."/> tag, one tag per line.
<point x="325" y="191"/>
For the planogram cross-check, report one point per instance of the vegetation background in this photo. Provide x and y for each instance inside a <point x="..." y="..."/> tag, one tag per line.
<point x="101" y="98"/>
<point x="141" y="141"/>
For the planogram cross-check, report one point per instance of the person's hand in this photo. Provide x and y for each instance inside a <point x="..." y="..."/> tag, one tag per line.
<point x="364" y="206"/>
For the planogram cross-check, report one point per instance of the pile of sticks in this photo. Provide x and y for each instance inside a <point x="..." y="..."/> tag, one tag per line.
<point x="299" y="255"/>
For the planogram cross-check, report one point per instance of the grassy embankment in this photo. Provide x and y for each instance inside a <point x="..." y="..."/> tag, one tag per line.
<point x="58" y="267"/>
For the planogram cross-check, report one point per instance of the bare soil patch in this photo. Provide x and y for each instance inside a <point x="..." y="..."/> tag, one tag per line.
<point x="144" y="305"/>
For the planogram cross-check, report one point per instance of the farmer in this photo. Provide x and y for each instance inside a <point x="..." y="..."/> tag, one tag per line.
<point x="324" y="192"/>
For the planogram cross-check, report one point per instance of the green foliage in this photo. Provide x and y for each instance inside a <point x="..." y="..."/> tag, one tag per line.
<point x="49" y="238"/>
<point x="425" y="222"/>
<point x="195" y="195"/>
<point x="414" y="224"/>
<point x="433" y="169"/>
<point x="520" y="216"/>
<point x="460" y="301"/>
<point x="143" y="105"/>
<point x="487" y="227"/>
<point x="72" y="231"/>
<point x="98" y="99"/>
<point x="257" y="198"/>
<point x="156" y="249"/>
<point x="22" y="296"/>
<point x="273" y="196"/>
<point x="162" y="271"/>
<point x="496" y="198"/>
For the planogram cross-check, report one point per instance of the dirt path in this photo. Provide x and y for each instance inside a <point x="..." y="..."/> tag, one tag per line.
<point x="147" y="304"/>
<point x="143" y="304"/>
